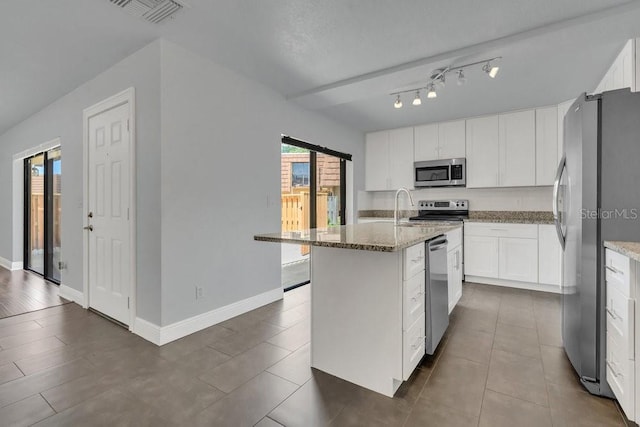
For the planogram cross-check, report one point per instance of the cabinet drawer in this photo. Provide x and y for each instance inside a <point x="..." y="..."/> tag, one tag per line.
<point x="490" y="229"/>
<point x="621" y="375"/>
<point x="413" y="295"/>
<point x="413" y="346"/>
<point x="413" y="260"/>
<point x="617" y="268"/>
<point x="620" y="316"/>
<point x="454" y="238"/>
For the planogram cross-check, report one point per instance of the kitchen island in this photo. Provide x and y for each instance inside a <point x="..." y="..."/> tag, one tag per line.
<point x="367" y="299"/>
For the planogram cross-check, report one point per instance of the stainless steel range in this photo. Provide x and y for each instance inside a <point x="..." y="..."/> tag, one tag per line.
<point x="442" y="210"/>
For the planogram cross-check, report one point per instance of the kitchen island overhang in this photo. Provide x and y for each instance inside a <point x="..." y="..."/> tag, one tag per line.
<point x="366" y="326"/>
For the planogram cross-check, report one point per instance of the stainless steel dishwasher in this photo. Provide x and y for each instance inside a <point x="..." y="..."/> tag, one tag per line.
<point x="436" y="292"/>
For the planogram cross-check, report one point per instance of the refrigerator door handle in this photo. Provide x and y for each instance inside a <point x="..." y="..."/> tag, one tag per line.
<point x="556" y="193"/>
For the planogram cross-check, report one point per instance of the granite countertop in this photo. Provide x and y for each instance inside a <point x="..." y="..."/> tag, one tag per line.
<point x="380" y="236"/>
<point x="511" y="217"/>
<point x="630" y="249"/>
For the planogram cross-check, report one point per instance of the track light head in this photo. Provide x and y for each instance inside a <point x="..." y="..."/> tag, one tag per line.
<point x="491" y="70"/>
<point x="461" y="78"/>
<point x="398" y="103"/>
<point x="417" y="100"/>
<point x="431" y="91"/>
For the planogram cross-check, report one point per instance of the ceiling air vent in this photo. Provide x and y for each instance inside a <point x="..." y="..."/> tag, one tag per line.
<point x="154" y="11"/>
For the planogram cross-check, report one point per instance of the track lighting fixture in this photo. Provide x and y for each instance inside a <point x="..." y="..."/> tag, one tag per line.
<point x="438" y="77"/>
<point x="492" y="71"/>
<point x="417" y="100"/>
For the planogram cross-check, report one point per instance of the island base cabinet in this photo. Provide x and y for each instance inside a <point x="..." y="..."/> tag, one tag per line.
<point x="357" y="317"/>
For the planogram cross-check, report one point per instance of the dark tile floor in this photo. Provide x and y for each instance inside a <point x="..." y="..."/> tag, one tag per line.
<point x="501" y="364"/>
<point x="22" y="291"/>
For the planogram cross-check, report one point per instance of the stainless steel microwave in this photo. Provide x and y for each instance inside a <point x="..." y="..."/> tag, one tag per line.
<point x="441" y="173"/>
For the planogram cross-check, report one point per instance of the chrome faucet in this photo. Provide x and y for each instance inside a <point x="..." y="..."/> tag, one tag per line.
<point x="396" y="216"/>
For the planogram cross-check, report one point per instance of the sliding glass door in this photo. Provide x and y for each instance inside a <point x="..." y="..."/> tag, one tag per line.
<point x="313" y="188"/>
<point x="42" y="208"/>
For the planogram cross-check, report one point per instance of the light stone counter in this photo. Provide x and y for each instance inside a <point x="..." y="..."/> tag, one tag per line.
<point x="379" y="236"/>
<point x="630" y="249"/>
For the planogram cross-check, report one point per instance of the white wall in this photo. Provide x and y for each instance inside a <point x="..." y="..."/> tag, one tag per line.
<point x="480" y="199"/>
<point x="63" y="119"/>
<point x="221" y="180"/>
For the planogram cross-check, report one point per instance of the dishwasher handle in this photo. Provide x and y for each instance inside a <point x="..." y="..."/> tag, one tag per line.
<point x="436" y="245"/>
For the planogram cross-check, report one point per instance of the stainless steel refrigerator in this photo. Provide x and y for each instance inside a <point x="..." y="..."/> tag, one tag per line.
<point x="596" y="198"/>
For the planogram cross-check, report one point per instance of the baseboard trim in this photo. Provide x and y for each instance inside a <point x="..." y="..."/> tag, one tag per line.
<point x="12" y="266"/>
<point x="147" y="330"/>
<point x="161" y="335"/>
<point x="71" y="294"/>
<point x="513" y="284"/>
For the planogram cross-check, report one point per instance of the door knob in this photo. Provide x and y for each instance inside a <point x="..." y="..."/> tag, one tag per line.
<point x="89" y="227"/>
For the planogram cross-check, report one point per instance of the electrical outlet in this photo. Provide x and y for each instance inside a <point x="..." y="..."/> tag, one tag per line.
<point x="199" y="292"/>
<point x="62" y="265"/>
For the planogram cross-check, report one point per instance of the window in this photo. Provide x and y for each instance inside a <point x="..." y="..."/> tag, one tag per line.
<point x="300" y="174"/>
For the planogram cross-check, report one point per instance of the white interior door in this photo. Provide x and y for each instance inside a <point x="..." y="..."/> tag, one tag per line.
<point x="108" y="199"/>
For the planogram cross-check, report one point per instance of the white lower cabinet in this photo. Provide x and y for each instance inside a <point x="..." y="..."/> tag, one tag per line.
<point x="480" y="255"/>
<point x="413" y="308"/>
<point x="549" y="256"/>
<point x="518" y="259"/>
<point x="520" y="255"/>
<point x="621" y="283"/>
<point x="454" y="267"/>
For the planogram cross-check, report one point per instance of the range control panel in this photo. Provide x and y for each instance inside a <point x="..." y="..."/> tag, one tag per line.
<point x="443" y="205"/>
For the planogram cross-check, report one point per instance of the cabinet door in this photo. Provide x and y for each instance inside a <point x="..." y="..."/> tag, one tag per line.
<point x="517" y="149"/>
<point x="518" y="259"/>
<point x="401" y="158"/>
<point x="426" y="142"/>
<point x="454" y="270"/>
<point x="376" y="168"/>
<point x="452" y="139"/>
<point x="481" y="256"/>
<point x="549" y="256"/>
<point x="546" y="145"/>
<point x="482" y="152"/>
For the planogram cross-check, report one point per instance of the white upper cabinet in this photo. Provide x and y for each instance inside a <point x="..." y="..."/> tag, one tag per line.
<point x="426" y="142"/>
<point x="562" y="110"/>
<point x="546" y="145"/>
<point x="444" y="140"/>
<point x="517" y="140"/>
<point x="401" y="158"/>
<point x="377" y="161"/>
<point x="482" y="152"/>
<point x="389" y="159"/>
<point x="622" y="72"/>
<point x="452" y="139"/>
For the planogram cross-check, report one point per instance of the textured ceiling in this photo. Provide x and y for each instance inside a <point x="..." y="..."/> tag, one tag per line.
<point x="339" y="57"/>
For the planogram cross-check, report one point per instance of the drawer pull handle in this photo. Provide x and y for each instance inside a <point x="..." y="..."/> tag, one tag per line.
<point x="615" y="374"/>
<point x="612" y="269"/>
<point x="417" y="260"/>
<point x="420" y="341"/>
<point x="497" y="229"/>
<point x="612" y="313"/>
<point x="418" y="295"/>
